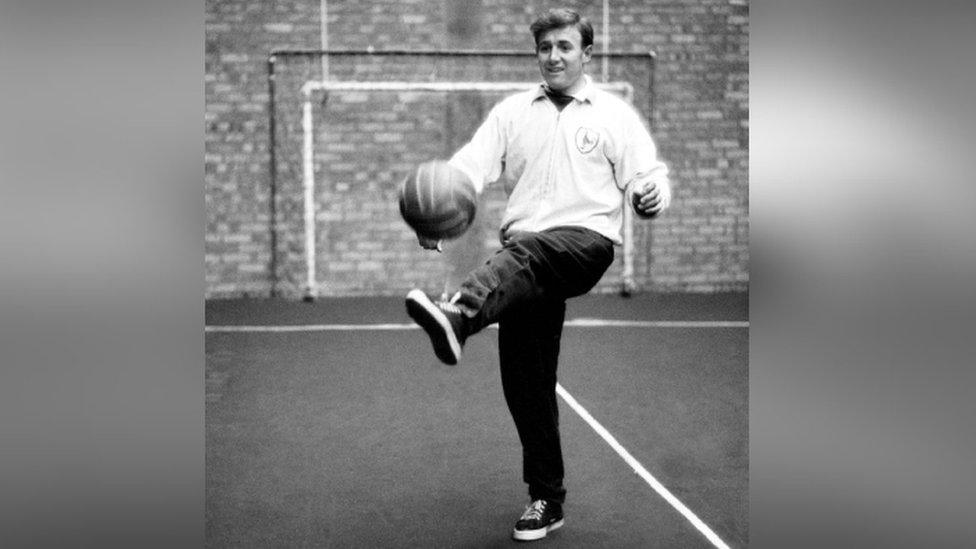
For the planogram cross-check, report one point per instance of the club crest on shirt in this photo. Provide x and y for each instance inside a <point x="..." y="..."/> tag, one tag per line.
<point x="586" y="139"/>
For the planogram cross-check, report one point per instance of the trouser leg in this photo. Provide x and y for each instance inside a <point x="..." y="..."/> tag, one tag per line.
<point x="524" y="288"/>
<point x="528" y="343"/>
<point x="555" y="264"/>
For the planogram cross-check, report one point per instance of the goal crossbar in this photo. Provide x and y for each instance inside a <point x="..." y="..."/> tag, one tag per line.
<point x="626" y="89"/>
<point x="311" y="290"/>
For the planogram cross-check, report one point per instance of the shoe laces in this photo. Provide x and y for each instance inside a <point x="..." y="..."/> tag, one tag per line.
<point x="449" y="307"/>
<point x="534" y="511"/>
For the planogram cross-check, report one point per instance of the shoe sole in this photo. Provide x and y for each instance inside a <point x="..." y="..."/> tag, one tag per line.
<point x="425" y="313"/>
<point x="532" y="535"/>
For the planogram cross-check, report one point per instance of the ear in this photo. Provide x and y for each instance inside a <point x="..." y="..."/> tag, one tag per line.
<point x="587" y="53"/>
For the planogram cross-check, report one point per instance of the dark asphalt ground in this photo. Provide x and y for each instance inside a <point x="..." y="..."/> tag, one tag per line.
<point x="363" y="439"/>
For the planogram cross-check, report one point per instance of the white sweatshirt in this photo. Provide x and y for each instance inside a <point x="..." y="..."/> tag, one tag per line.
<point x="569" y="167"/>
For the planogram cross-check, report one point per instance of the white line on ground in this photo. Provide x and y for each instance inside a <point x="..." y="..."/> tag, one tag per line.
<point x="574" y="323"/>
<point x="601" y="323"/>
<point x="640" y="470"/>
<point x="313" y="328"/>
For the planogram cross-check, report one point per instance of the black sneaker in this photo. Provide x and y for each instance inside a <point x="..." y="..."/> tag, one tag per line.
<point x="443" y="321"/>
<point x="539" y="519"/>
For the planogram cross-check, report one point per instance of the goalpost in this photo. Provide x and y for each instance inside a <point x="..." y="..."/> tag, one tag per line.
<point x="308" y="174"/>
<point x="329" y="87"/>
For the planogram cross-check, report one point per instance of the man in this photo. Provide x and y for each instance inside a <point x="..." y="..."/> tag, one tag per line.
<point x="569" y="154"/>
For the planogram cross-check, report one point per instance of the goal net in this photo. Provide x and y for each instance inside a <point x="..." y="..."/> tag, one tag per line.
<point x="348" y="126"/>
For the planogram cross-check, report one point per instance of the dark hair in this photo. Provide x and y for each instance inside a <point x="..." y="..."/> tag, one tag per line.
<point x="559" y="18"/>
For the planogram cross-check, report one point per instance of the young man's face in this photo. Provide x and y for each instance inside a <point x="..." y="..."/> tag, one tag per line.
<point x="561" y="59"/>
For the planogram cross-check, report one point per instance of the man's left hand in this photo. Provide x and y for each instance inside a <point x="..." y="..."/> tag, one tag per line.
<point x="647" y="202"/>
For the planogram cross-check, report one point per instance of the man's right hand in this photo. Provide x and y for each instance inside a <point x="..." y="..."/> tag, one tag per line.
<point x="430" y="243"/>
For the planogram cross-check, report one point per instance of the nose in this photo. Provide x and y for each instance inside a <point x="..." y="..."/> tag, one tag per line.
<point x="553" y="55"/>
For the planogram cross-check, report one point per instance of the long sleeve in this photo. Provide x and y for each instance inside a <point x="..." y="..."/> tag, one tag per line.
<point x="482" y="158"/>
<point x="640" y="166"/>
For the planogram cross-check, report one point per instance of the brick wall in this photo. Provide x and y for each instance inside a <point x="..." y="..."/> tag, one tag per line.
<point x="700" y="123"/>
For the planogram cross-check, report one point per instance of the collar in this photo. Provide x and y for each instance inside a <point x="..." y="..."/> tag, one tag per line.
<point x="583" y="95"/>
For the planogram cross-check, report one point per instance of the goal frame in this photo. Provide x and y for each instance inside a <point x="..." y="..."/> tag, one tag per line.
<point x="311" y="289"/>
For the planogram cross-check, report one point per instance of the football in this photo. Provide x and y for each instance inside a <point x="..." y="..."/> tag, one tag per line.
<point x="437" y="200"/>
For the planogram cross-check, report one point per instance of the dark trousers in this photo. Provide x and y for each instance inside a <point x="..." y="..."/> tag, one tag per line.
<point x="524" y="288"/>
